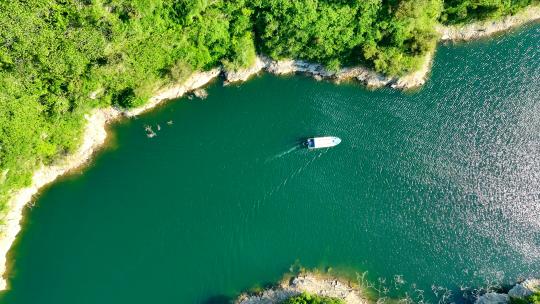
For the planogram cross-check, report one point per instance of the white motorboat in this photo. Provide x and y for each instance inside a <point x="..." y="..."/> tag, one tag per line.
<point x="322" y="142"/>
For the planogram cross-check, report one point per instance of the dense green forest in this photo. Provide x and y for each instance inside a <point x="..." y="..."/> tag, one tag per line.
<point x="56" y="54"/>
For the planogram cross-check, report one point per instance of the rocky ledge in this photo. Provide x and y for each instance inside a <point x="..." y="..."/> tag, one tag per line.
<point x="362" y="74"/>
<point x="519" y="291"/>
<point x="311" y="283"/>
<point x="487" y="28"/>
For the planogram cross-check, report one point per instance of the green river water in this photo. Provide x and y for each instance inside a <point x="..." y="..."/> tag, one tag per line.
<point x="436" y="189"/>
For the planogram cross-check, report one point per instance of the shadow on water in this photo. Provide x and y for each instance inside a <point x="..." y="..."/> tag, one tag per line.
<point x="224" y="299"/>
<point x="221" y="299"/>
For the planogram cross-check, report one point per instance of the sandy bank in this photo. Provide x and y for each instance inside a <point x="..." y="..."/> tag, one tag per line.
<point x="487" y="28"/>
<point x="94" y="136"/>
<point x="309" y="283"/>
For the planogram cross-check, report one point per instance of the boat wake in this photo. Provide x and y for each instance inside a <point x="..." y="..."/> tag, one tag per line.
<point x="291" y="176"/>
<point x="284" y="153"/>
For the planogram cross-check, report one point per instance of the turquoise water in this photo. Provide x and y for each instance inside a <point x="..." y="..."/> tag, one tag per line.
<point x="431" y="189"/>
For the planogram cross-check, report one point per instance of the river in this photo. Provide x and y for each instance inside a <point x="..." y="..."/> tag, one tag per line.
<point x="437" y="189"/>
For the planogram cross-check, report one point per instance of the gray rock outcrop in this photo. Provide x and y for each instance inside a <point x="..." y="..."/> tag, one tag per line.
<point x="368" y="77"/>
<point x="309" y="283"/>
<point x="493" y="298"/>
<point x="525" y="289"/>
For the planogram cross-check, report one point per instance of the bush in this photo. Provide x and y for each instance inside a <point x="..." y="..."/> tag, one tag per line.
<point x="306" y="298"/>
<point x="532" y="299"/>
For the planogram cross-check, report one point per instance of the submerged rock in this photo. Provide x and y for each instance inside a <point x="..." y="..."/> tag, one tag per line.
<point x="200" y="93"/>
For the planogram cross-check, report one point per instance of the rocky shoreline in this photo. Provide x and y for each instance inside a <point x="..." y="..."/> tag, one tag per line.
<point x="95" y="131"/>
<point x="311" y="283"/>
<point x="328" y="286"/>
<point x="366" y="76"/>
<point x="520" y="291"/>
<point x="482" y="29"/>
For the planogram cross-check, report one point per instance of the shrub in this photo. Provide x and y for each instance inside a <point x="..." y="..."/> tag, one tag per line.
<point x="306" y="298"/>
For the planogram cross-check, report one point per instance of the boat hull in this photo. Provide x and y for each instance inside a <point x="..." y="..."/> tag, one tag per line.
<point x="322" y="142"/>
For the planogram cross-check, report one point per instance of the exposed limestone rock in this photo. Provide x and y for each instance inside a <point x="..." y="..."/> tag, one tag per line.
<point x="289" y="66"/>
<point x="486" y="28"/>
<point x="415" y="79"/>
<point x="309" y="283"/>
<point x="196" y="81"/>
<point x="525" y="288"/>
<point x="244" y="74"/>
<point x="200" y="93"/>
<point x="368" y="77"/>
<point x="493" y="298"/>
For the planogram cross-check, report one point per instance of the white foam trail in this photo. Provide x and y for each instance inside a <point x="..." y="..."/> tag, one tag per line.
<point x="294" y="174"/>
<point x="280" y="155"/>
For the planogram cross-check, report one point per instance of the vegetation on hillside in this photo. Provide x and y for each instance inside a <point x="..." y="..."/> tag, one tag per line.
<point x="391" y="36"/>
<point x="460" y="11"/>
<point x="61" y="58"/>
<point x="55" y="54"/>
<point x="532" y="299"/>
<point x="306" y="298"/>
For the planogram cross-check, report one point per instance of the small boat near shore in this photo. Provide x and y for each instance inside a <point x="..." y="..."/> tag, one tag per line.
<point x="322" y="142"/>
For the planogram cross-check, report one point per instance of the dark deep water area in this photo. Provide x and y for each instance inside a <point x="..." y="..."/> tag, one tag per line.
<point x="437" y="189"/>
